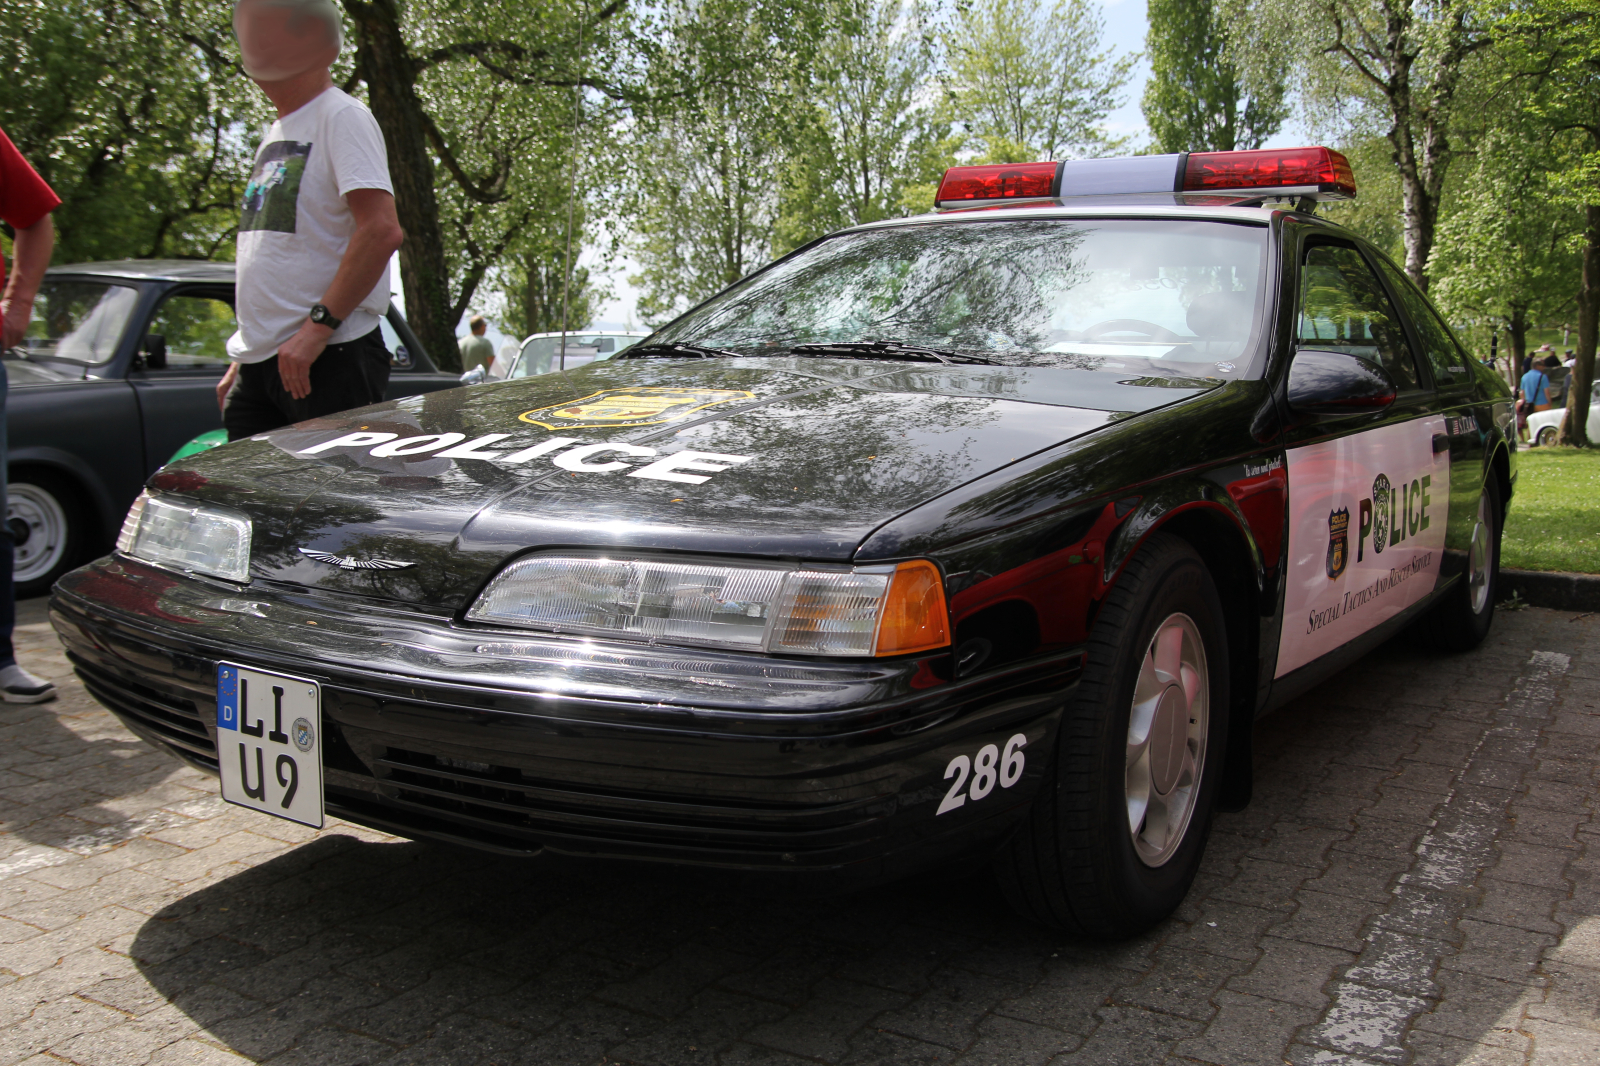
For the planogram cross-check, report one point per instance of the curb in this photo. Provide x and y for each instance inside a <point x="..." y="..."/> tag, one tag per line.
<point x="1560" y="591"/>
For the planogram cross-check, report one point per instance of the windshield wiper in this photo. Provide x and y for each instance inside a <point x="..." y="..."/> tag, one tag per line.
<point x="675" y="351"/>
<point x="888" y="350"/>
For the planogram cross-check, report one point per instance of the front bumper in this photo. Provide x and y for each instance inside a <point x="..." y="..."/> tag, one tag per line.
<point x="521" y="743"/>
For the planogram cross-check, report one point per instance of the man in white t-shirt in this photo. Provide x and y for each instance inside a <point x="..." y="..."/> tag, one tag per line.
<point x="316" y="234"/>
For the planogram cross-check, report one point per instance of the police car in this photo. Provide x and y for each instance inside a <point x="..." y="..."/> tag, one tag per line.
<point x="980" y="535"/>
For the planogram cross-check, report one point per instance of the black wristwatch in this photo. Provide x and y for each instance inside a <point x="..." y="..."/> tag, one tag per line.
<point x="324" y="317"/>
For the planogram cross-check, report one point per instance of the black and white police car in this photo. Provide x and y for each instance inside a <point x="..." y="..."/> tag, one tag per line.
<point x="981" y="534"/>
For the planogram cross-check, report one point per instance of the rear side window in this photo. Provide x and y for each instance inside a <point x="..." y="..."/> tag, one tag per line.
<point x="1449" y="362"/>
<point x="1343" y="308"/>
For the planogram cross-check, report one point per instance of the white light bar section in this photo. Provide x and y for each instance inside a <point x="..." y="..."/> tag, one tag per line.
<point x="185" y="536"/>
<point x="1133" y="174"/>
<point x="753" y="607"/>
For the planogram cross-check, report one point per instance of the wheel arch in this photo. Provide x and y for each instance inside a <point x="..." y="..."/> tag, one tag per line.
<point x="92" y="492"/>
<point x="1499" y="468"/>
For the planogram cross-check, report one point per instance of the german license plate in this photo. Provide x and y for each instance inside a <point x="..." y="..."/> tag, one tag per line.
<point x="269" y="742"/>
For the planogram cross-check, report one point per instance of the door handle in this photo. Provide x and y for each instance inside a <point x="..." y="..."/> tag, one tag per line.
<point x="1441" y="443"/>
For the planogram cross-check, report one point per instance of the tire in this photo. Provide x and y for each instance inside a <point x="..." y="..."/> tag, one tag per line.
<point x="1461" y="618"/>
<point x="1078" y="863"/>
<point x="1547" y="436"/>
<point x="47" y="525"/>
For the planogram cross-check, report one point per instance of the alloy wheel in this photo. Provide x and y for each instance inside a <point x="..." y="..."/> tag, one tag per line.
<point x="1166" y="743"/>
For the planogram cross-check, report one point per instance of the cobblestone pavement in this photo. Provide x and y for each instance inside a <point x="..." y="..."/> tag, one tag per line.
<point x="1417" y="881"/>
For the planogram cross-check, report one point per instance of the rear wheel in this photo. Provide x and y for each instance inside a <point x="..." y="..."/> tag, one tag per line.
<point x="1116" y="834"/>
<point x="1547" y="437"/>
<point x="45" y="520"/>
<point x="1461" y="619"/>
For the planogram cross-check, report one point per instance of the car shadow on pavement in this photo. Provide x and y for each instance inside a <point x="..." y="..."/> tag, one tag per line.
<point x="1327" y="924"/>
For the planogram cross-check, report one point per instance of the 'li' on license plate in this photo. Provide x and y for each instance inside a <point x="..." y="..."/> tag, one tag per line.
<point x="269" y="737"/>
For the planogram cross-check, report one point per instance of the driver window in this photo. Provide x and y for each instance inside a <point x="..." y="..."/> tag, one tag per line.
<point x="197" y="329"/>
<point x="1343" y="308"/>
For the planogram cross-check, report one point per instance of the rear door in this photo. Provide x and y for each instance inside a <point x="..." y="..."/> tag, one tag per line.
<point x="1368" y="493"/>
<point x="178" y="402"/>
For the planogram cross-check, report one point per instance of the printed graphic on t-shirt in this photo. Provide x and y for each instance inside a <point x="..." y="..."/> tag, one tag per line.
<point x="272" y="196"/>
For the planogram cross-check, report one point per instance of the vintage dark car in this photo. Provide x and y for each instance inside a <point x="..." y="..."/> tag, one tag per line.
<point x="120" y="369"/>
<point x="976" y="536"/>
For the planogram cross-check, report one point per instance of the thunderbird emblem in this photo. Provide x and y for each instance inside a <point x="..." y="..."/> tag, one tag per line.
<point x="344" y="562"/>
<point x="618" y="408"/>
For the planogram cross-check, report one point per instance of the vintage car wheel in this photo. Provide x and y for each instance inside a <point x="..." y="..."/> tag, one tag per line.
<point x="1117" y="832"/>
<point x="46" y="526"/>
<point x="1547" y="436"/>
<point x="1462" y="618"/>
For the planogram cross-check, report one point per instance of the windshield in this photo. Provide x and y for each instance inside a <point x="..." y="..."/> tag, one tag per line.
<point x="1165" y="297"/>
<point x="78" y="321"/>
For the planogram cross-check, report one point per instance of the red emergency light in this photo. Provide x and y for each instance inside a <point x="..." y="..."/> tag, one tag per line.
<point x="999" y="181"/>
<point x="1271" y="168"/>
<point x="1314" y="173"/>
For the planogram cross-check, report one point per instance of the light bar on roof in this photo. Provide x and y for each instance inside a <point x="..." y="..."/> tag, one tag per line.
<point x="1316" y="172"/>
<point x="998" y="181"/>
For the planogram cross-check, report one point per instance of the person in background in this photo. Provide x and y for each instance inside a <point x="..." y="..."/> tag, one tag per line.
<point x="1572" y="357"/>
<point x="316" y="233"/>
<point x="1558" y="382"/>
<point x="25" y="204"/>
<point x="1534" y="396"/>
<point x="476" y="349"/>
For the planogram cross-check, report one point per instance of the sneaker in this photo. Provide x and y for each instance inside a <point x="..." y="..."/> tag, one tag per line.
<point x="19" y="686"/>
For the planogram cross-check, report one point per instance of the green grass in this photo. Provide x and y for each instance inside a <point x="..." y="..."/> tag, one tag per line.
<point x="1555" y="515"/>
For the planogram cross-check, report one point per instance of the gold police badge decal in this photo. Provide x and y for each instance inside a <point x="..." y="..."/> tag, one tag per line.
<point x="1338" y="542"/>
<point x="619" y="408"/>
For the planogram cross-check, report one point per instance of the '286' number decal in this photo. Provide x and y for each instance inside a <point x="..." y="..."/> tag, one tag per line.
<point x="987" y="769"/>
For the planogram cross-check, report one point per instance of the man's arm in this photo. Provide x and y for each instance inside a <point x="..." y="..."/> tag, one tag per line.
<point x="30" y="255"/>
<point x="377" y="238"/>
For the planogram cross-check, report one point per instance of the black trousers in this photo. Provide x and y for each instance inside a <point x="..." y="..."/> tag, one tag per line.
<point x="351" y="374"/>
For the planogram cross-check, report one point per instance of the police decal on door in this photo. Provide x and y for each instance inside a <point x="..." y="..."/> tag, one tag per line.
<point x="1366" y="534"/>
<point x="269" y="743"/>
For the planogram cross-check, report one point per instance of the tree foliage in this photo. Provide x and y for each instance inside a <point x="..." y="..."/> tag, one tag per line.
<point x="1197" y="98"/>
<point x="1029" y="83"/>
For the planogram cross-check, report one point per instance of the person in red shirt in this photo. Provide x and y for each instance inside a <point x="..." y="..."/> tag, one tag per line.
<point x="25" y="205"/>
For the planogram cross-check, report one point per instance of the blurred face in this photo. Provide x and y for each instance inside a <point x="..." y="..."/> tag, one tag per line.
<point x="278" y="43"/>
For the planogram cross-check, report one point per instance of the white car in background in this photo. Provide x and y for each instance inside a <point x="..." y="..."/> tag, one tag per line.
<point x="1545" y="426"/>
<point x="540" y="353"/>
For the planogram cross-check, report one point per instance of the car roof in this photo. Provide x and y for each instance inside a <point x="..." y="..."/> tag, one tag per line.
<point x="1247" y="209"/>
<point x="154" y="269"/>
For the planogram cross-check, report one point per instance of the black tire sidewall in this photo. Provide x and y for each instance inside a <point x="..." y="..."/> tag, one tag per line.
<point x="1142" y="893"/>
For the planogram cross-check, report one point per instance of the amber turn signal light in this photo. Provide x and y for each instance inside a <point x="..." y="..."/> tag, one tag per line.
<point x="914" y="617"/>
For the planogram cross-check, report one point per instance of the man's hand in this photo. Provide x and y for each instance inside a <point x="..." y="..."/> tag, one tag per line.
<point x="225" y="386"/>
<point x="297" y="355"/>
<point x="15" y="312"/>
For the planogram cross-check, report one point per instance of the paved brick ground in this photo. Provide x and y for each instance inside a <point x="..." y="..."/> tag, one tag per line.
<point x="1418" y="881"/>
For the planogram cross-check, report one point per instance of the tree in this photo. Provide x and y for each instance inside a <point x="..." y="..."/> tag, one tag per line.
<point x="1505" y="252"/>
<point x="133" y="113"/>
<point x="1398" y="67"/>
<point x="1027" y="84"/>
<point x="1554" y="47"/>
<point x="474" y="98"/>
<point x="871" y="137"/>
<point x="1196" y="98"/>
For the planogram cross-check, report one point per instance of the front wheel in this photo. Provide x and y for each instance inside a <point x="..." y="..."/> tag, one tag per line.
<point x="1116" y="834"/>
<point x="1547" y="437"/>
<point x="46" y="526"/>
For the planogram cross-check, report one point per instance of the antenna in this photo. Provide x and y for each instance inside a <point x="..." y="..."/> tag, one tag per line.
<point x="572" y="185"/>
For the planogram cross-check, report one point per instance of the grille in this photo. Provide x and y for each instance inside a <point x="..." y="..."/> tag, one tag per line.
<point x="165" y="713"/>
<point x="505" y="798"/>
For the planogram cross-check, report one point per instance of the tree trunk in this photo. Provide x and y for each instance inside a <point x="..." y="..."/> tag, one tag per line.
<point x="1575" y="426"/>
<point x="1517" y="331"/>
<point x="389" y="71"/>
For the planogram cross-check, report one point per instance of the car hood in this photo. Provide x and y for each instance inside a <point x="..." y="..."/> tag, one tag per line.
<point x="814" y="455"/>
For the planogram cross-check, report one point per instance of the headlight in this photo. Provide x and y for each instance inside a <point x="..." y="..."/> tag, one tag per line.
<point x="869" y="610"/>
<point x="187" y="536"/>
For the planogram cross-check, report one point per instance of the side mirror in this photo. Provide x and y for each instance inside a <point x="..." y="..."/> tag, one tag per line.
<point x="155" y="351"/>
<point x="1334" y="383"/>
<point x="474" y="376"/>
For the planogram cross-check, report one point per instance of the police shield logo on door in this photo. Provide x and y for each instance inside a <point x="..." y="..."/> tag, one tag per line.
<point x="1338" y="541"/>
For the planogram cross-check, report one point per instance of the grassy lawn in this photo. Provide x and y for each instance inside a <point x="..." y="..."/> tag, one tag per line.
<point x="1555" y="516"/>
